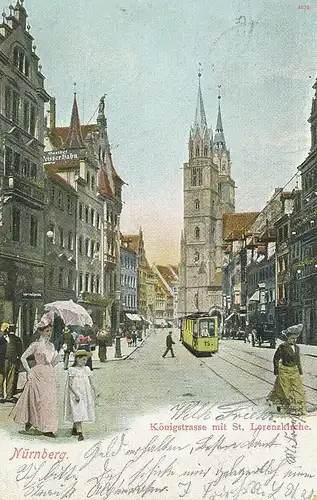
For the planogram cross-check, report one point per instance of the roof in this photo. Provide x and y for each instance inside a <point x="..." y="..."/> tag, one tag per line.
<point x="54" y="177"/>
<point x="74" y="137"/>
<point x="58" y="135"/>
<point x="235" y="225"/>
<point x="133" y="241"/>
<point x="200" y="116"/>
<point x="167" y="274"/>
<point x="219" y="135"/>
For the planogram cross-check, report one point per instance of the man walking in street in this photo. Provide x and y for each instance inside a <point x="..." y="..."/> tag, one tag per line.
<point x="10" y="354"/>
<point x="169" y="343"/>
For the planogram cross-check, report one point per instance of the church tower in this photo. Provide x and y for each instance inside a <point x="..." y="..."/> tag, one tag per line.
<point x="208" y="193"/>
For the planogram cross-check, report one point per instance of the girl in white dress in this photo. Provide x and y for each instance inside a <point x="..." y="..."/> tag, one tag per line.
<point x="79" y="402"/>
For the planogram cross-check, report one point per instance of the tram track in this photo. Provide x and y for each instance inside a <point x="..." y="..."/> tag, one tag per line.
<point x="262" y="367"/>
<point x="257" y="376"/>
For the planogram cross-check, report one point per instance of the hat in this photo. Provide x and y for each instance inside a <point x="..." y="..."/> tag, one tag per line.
<point x="293" y="330"/>
<point x="82" y="352"/>
<point x="5" y="327"/>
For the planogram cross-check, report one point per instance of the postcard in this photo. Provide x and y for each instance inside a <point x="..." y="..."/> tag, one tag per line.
<point x="158" y="265"/>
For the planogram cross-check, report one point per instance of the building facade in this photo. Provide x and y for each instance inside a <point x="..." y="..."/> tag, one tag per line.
<point x="129" y="283"/>
<point x="21" y="175"/>
<point x="166" y="298"/>
<point x="209" y="191"/>
<point x="81" y="155"/>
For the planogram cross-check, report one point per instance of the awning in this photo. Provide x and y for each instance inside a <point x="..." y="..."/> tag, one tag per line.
<point x="130" y="316"/>
<point x="230" y="316"/>
<point x="137" y="317"/>
<point x="255" y="297"/>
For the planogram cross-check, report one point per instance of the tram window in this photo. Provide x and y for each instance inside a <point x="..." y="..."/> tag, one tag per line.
<point x="207" y="328"/>
<point x="195" y="329"/>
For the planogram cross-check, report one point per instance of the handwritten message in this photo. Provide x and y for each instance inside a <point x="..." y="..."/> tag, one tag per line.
<point x="193" y="451"/>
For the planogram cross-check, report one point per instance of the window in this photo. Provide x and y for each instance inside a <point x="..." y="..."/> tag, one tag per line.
<point x="92" y="217"/>
<point x="88" y="178"/>
<point x="32" y="124"/>
<point x="98" y="248"/>
<point x="61" y="237"/>
<point x="87" y="246"/>
<point x="80" y="244"/>
<point x="12" y="103"/>
<point x="197" y="233"/>
<point x="80" y="211"/>
<point x="16" y="163"/>
<point x="92" y="248"/>
<point x="98" y="221"/>
<point x="87" y="214"/>
<point x="60" y="277"/>
<point x="197" y="204"/>
<point x="197" y="151"/>
<point x="52" y="195"/>
<point x="98" y="284"/>
<point x="93" y="182"/>
<point x="194" y="176"/>
<point x="71" y="280"/>
<point x="81" y="282"/>
<point x="8" y="160"/>
<point x="16" y="224"/>
<point x="93" y="283"/>
<point x="87" y="282"/>
<point x="33" y="170"/>
<point x="70" y="242"/>
<point x="20" y="61"/>
<point x="205" y="151"/>
<point x="196" y="257"/>
<point x="60" y="200"/>
<point x="51" y="228"/>
<point x="69" y="205"/>
<point x="33" y="231"/>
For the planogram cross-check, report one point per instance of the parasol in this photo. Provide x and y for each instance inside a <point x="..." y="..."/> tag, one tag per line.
<point x="70" y="312"/>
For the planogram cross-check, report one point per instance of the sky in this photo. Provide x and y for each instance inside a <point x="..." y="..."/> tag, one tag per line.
<point x="144" y="55"/>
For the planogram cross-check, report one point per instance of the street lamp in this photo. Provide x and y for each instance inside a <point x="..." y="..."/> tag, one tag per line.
<point x="118" y="336"/>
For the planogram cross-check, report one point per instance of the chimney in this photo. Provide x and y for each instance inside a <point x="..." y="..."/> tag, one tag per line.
<point x="52" y="113"/>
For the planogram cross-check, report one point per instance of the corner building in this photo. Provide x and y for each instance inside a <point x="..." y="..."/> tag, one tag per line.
<point x="209" y="192"/>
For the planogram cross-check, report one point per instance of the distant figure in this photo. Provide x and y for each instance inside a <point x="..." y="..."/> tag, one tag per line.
<point x="102" y="337"/>
<point x="10" y="354"/>
<point x="79" y="402"/>
<point x="169" y="343"/>
<point x="288" y="391"/>
<point x="134" y="337"/>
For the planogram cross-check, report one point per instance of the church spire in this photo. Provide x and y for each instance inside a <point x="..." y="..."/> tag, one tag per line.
<point x="219" y="138"/>
<point x="74" y="138"/>
<point x="200" y="116"/>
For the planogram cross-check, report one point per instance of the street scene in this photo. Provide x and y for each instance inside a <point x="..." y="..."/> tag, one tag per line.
<point x="158" y="248"/>
<point x="238" y="374"/>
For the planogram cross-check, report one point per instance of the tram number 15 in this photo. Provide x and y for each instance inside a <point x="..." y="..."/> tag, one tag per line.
<point x="207" y="343"/>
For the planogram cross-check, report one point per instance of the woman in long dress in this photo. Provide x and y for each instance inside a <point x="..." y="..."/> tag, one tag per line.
<point x="37" y="405"/>
<point x="288" y="391"/>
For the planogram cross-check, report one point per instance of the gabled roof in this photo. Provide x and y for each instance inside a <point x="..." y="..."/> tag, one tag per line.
<point x="54" y="177"/>
<point x="167" y="274"/>
<point x="235" y="225"/>
<point x="74" y="138"/>
<point x="58" y="135"/>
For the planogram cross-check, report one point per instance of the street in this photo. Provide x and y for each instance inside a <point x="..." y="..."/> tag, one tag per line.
<point x="145" y="383"/>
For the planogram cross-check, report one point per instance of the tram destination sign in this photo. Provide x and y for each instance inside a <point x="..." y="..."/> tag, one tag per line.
<point x="60" y="155"/>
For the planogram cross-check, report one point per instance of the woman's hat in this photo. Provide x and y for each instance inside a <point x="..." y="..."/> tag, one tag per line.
<point x="82" y="352"/>
<point x="5" y="327"/>
<point x="293" y="330"/>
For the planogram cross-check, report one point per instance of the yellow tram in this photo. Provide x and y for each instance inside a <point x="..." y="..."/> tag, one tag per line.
<point x="199" y="332"/>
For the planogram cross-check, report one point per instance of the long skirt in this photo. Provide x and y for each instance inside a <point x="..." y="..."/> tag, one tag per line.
<point x="37" y="404"/>
<point x="288" y="391"/>
<point x="102" y="351"/>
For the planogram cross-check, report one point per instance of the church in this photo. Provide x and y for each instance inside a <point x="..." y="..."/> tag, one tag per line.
<point x="209" y="192"/>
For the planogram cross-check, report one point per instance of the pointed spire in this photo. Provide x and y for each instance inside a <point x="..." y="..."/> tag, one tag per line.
<point x="74" y="138"/>
<point x="200" y="116"/>
<point x="219" y="135"/>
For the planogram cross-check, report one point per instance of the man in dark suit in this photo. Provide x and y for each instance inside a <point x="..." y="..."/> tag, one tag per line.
<point x="169" y="343"/>
<point x="10" y="354"/>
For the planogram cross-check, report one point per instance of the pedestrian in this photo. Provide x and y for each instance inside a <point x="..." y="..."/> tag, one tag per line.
<point x="288" y="391"/>
<point x="134" y="337"/>
<point x="169" y="343"/>
<point x="79" y="404"/>
<point x="102" y="338"/>
<point x="37" y="405"/>
<point x="10" y="354"/>
<point x="83" y="343"/>
<point x="69" y="342"/>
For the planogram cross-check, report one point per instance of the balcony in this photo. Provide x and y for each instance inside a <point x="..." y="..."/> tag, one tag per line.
<point x="24" y="188"/>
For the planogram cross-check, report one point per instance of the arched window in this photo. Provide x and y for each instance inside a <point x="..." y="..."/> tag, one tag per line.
<point x="196" y="257"/>
<point x="197" y="204"/>
<point x="197" y="151"/>
<point x="213" y="205"/>
<point x="197" y="233"/>
<point x="205" y="151"/>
